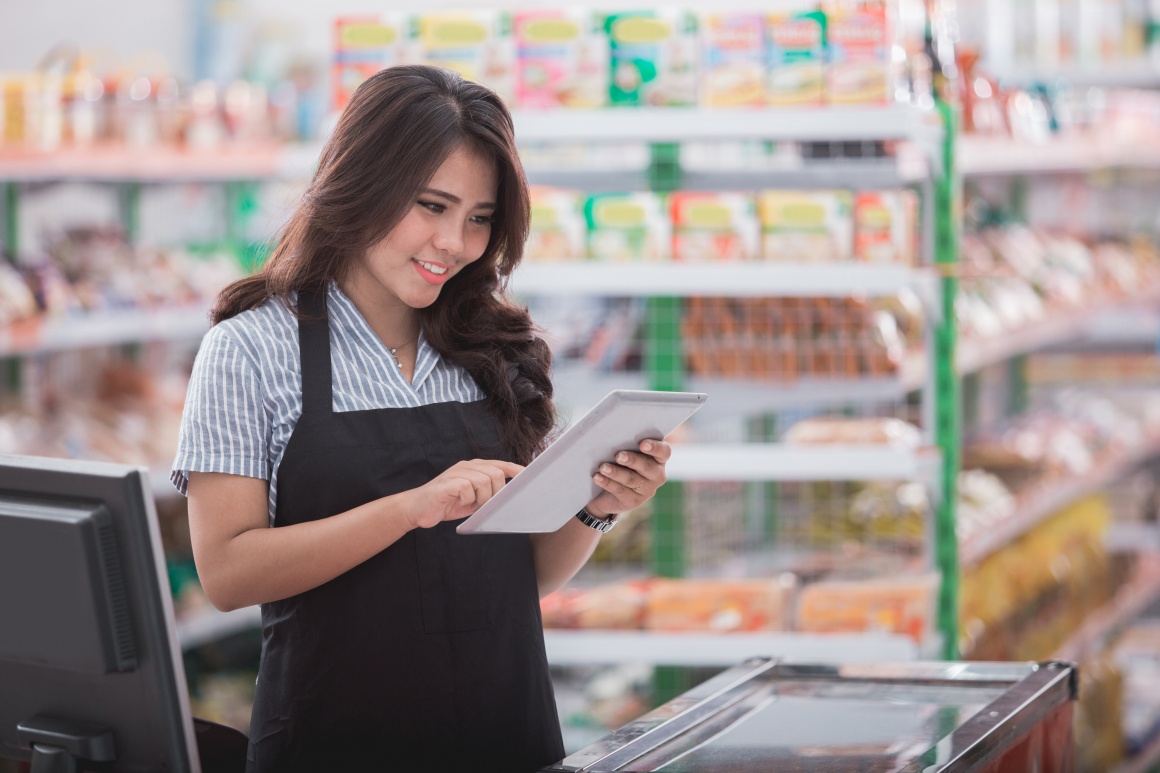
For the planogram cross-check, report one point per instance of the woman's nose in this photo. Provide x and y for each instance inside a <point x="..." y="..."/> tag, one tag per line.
<point x="449" y="238"/>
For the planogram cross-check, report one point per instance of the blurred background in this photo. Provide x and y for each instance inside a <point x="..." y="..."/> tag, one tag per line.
<point x="909" y="248"/>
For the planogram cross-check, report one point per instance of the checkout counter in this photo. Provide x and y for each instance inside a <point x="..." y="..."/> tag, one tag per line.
<point x="766" y="716"/>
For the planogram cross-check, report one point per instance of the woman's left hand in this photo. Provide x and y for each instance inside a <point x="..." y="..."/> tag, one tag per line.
<point x="631" y="479"/>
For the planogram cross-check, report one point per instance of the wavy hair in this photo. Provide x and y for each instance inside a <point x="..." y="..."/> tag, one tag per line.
<point x="399" y="127"/>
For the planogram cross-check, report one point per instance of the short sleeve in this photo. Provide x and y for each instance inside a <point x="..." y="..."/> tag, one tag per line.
<point x="224" y="427"/>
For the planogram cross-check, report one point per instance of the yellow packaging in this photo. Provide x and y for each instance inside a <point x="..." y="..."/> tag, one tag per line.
<point x="476" y="44"/>
<point x="558" y="229"/>
<point x="902" y="605"/>
<point x="886" y="227"/>
<point x="362" y="46"/>
<point x="628" y="227"/>
<point x="806" y="226"/>
<point x="714" y="227"/>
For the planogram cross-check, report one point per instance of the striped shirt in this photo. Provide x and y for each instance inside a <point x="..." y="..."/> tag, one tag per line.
<point x="245" y="392"/>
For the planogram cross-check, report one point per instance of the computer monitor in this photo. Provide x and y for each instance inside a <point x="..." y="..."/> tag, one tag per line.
<point x="90" y="666"/>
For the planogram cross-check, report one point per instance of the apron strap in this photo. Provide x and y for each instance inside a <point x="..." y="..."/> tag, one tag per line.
<point x="314" y="345"/>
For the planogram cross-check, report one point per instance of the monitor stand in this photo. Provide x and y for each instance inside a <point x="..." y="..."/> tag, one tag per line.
<point x="58" y="744"/>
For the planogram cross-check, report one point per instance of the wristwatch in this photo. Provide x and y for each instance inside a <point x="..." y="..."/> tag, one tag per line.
<point x="592" y="522"/>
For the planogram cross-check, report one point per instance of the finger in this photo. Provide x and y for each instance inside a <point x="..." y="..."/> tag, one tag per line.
<point x="643" y="464"/>
<point x="624" y="476"/>
<point x="657" y="449"/>
<point x="509" y="469"/>
<point x="481" y="482"/>
<point x="622" y="492"/>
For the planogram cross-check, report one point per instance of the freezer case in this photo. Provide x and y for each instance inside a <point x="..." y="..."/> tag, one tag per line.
<point x="915" y="718"/>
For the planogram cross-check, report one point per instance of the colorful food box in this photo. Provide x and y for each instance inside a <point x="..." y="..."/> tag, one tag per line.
<point x="714" y="227"/>
<point x="806" y="226"/>
<point x="653" y="57"/>
<point x="562" y="59"/>
<point x="902" y="605"/>
<point x="732" y="59"/>
<point x="558" y="231"/>
<point x="795" y="73"/>
<point x="627" y="227"/>
<point x="363" y="45"/>
<point x="476" y="44"/>
<point x="886" y="227"/>
<point x="719" y="605"/>
<point x="858" y="42"/>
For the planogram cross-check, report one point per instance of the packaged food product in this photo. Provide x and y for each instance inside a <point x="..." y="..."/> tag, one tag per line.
<point x="558" y="230"/>
<point x="902" y="605"/>
<point x="562" y="59"/>
<point x="858" y="43"/>
<point x="653" y="57"/>
<point x="476" y="44"/>
<point x="806" y="226"/>
<point x="732" y="59"/>
<point x="714" y="227"/>
<point x="795" y="70"/>
<point x="625" y="227"/>
<point x="614" y="606"/>
<point x="886" y="227"/>
<point x="719" y="605"/>
<point x="892" y="432"/>
<point x="363" y="45"/>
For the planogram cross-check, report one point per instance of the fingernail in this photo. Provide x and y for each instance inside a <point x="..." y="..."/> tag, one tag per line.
<point x="646" y="446"/>
<point x="606" y="468"/>
<point x="622" y="458"/>
<point x="598" y="478"/>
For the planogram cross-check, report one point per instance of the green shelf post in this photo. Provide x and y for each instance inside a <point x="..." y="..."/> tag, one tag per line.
<point x="129" y="203"/>
<point x="241" y="204"/>
<point x="948" y="410"/>
<point x="1018" y="394"/>
<point x="11" y="219"/>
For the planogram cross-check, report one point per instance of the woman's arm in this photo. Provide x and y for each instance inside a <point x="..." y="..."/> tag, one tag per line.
<point x="241" y="561"/>
<point x="628" y="483"/>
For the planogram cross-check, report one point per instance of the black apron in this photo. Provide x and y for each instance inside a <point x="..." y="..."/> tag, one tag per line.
<point x="428" y="656"/>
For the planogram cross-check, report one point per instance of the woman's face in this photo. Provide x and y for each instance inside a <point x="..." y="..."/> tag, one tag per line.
<point x="447" y="227"/>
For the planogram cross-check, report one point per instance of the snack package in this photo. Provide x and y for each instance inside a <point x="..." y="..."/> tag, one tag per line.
<point x="719" y="605"/>
<point x="558" y="230"/>
<point x="562" y="59"/>
<point x="902" y="605"/>
<point x="612" y="607"/>
<point x="886" y="227"/>
<point x="795" y="70"/>
<point x="714" y="227"/>
<point x="363" y="45"/>
<point x="806" y="226"/>
<point x="653" y="57"/>
<point x="476" y="44"/>
<point x="858" y="44"/>
<point x="732" y="59"/>
<point x="885" y="431"/>
<point x="626" y="227"/>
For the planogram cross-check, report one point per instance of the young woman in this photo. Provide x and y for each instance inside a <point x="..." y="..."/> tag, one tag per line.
<point x="364" y="391"/>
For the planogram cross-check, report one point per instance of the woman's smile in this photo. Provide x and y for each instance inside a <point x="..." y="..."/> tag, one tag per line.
<point x="435" y="273"/>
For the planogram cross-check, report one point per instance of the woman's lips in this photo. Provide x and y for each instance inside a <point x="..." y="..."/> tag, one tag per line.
<point x="429" y="276"/>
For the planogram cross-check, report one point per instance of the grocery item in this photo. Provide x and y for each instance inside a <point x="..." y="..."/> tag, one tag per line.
<point x="627" y="227"/>
<point x="476" y="44"/>
<point x="886" y="227"/>
<point x="653" y="57"/>
<point x="363" y="45"/>
<point x="806" y="226"/>
<point x="719" y="605"/>
<point x="612" y="606"/>
<point x="562" y="59"/>
<point x="732" y="59"/>
<point x="558" y="229"/>
<point x="902" y="605"/>
<point x="891" y="432"/>
<point x="796" y="55"/>
<point x="858" y="42"/>
<point x="714" y="227"/>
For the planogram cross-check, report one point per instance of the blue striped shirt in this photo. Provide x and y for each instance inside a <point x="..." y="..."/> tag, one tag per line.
<point x="245" y="392"/>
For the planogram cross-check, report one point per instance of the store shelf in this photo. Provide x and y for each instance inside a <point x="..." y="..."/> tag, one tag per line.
<point x="162" y="164"/>
<point x="734" y="279"/>
<point x="1049" y="499"/>
<point x="571" y="648"/>
<point x="675" y="124"/>
<point x="210" y="625"/>
<point x="111" y="328"/>
<point x="1135" y="596"/>
<point x="1148" y="759"/>
<point x="1126" y="73"/>
<point x="991" y="156"/>
<point x="782" y="461"/>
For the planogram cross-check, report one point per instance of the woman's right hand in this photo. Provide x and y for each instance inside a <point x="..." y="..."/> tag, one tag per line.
<point x="458" y="492"/>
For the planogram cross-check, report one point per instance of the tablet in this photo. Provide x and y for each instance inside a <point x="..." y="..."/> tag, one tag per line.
<point x="558" y="482"/>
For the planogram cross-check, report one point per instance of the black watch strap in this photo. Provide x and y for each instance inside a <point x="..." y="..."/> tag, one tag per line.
<point x="592" y="522"/>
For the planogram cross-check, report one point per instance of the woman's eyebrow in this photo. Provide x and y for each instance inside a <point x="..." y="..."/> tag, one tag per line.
<point x="455" y="199"/>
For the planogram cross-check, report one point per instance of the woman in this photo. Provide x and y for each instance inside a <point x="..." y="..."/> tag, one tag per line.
<point x="356" y="398"/>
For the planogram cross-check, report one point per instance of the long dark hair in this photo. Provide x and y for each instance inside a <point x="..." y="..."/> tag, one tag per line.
<point x="399" y="127"/>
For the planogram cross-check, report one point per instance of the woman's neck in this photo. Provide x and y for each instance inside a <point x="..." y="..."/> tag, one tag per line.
<point x="394" y="322"/>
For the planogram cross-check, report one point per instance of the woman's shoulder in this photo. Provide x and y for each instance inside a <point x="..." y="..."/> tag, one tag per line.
<point x="258" y="331"/>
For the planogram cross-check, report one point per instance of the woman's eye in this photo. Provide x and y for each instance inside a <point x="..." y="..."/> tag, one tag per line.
<point x="484" y="219"/>
<point x="433" y="206"/>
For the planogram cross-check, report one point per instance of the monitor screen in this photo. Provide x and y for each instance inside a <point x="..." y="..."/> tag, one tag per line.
<point x="89" y="659"/>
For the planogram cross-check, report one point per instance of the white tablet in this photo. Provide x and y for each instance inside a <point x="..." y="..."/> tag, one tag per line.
<point x="558" y="482"/>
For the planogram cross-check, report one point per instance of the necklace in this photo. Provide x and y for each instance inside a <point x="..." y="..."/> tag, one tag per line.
<point x="394" y="350"/>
